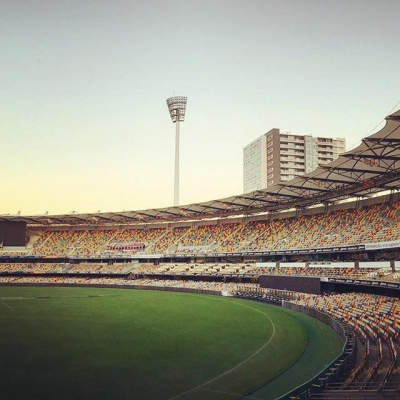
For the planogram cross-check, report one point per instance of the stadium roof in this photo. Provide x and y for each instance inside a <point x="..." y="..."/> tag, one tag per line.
<point x="372" y="167"/>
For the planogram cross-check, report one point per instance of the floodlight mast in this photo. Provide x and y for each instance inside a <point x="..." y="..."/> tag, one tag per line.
<point x="177" y="110"/>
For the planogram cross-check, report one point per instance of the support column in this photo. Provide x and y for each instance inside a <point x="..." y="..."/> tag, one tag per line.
<point x="176" y="183"/>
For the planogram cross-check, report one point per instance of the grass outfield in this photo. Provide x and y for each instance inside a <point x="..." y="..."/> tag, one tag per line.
<point x="86" y="343"/>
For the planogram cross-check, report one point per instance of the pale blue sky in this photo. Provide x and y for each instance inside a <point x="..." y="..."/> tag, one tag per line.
<point x="84" y="124"/>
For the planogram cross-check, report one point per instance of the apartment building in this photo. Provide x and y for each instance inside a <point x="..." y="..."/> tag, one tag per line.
<point x="275" y="157"/>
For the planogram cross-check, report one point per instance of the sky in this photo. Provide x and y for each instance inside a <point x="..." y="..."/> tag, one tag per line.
<point x="84" y="124"/>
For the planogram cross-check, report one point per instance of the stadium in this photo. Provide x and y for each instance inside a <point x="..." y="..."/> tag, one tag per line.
<point x="289" y="292"/>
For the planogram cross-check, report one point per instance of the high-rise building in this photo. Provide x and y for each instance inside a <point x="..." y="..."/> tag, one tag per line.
<point x="275" y="157"/>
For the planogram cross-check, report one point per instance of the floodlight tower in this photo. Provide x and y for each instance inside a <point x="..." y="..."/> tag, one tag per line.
<point x="177" y="109"/>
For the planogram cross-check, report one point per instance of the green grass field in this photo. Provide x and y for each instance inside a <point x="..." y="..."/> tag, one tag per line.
<point x="87" y="343"/>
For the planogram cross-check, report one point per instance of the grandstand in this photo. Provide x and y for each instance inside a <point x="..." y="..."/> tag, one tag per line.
<point x="327" y="241"/>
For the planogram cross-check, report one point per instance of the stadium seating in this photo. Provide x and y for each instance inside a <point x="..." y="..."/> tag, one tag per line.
<point x="373" y="224"/>
<point x="375" y="319"/>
